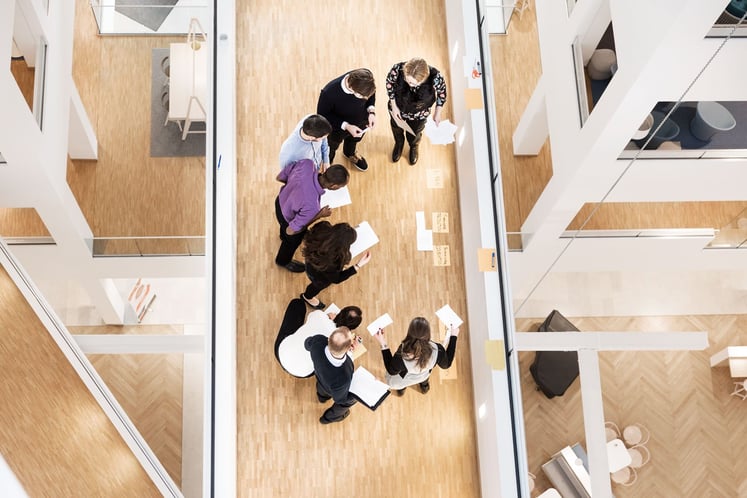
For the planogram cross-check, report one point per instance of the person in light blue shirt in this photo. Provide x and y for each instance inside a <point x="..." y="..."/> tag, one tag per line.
<point x="308" y="141"/>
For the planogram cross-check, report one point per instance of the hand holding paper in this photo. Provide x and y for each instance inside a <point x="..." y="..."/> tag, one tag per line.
<point x="381" y="322"/>
<point x="448" y="317"/>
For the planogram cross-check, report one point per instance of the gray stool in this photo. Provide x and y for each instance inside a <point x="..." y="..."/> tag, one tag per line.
<point x="668" y="131"/>
<point x="710" y="118"/>
<point x="601" y="64"/>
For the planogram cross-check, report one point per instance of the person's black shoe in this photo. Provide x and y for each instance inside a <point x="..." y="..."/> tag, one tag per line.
<point x="319" y="306"/>
<point x="397" y="152"/>
<point x="399" y="392"/>
<point x="323" y="420"/>
<point x="358" y="162"/>
<point x="425" y="386"/>
<point x="295" y="267"/>
<point x="413" y="155"/>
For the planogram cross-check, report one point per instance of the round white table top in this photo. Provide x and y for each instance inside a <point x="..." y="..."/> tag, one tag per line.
<point x="293" y="355"/>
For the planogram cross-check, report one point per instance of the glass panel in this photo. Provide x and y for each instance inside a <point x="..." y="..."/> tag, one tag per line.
<point x="140" y="17"/>
<point x="148" y="246"/>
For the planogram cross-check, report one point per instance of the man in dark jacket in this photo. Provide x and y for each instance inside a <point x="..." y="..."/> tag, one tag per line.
<point x="334" y="372"/>
<point x="349" y="104"/>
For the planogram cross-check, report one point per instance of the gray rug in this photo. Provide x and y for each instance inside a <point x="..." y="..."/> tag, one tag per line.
<point x="149" y="13"/>
<point x="166" y="141"/>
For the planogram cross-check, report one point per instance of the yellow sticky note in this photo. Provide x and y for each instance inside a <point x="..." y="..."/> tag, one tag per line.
<point x="487" y="259"/>
<point x="473" y="98"/>
<point x="495" y="355"/>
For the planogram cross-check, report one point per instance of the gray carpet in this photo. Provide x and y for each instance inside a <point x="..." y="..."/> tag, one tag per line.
<point x="149" y="13"/>
<point x="166" y="141"/>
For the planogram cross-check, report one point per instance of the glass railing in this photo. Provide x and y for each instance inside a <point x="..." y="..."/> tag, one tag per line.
<point x="135" y="17"/>
<point x="733" y="235"/>
<point x="148" y="246"/>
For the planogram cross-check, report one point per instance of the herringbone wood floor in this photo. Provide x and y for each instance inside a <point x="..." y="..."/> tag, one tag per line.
<point x="698" y="431"/>
<point x="54" y="436"/>
<point x="150" y="389"/>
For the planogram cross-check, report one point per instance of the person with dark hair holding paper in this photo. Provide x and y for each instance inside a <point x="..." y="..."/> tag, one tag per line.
<point x="349" y="104"/>
<point x="326" y="253"/>
<point x="334" y="372"/>
<point x="297" y="205"/>
<point x="416" y="356"/>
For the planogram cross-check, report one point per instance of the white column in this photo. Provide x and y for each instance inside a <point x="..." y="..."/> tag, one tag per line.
<point x="531" y="132"/>
<point x="82" y="143"/>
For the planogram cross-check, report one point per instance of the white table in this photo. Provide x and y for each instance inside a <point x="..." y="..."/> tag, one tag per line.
<point x="187" y="84"/>
<point x="617" y="455"/>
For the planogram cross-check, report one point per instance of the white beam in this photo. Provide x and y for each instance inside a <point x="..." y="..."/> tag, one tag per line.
<point x="531" y="132"/>
<point x="596" y="441"/>
<point x="139" y="343"/>
<point x="611" y="341"/>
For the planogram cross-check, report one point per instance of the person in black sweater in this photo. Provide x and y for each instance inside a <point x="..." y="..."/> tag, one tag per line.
<point x="416" y="356"/>
<point x="334" y="372"/>
<point x="326" y="252"/>
<point x="349" y="104"/>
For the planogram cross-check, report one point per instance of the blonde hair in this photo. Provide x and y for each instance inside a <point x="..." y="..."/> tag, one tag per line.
<point x="417" y="68"/>
<point x="339" y="341"/>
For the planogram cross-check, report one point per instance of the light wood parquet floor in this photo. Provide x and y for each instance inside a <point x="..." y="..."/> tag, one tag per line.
<point x="410" y="446"/>
<point x="53" y="434"/>
<point x="698" y="431"/>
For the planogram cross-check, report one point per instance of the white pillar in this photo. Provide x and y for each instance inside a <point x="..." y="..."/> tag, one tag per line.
<point x="82" y="142"/>
<point x="531" y="132"/>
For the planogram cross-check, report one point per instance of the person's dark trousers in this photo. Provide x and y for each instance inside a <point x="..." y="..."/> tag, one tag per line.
<point x="338" y="137"/>
<point x="337" y="411"/>
<point x="295" y="314"/>
<point x="316" y="284"/>
<point x="289" y="243"/>
<point x="399" y="134"/>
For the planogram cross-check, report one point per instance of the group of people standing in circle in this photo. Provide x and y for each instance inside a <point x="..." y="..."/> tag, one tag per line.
<point x="346" y="112"/>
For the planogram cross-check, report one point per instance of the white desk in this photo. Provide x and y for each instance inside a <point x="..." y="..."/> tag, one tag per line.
<point x="617" y="455"/>
<point x="187" y="84"/>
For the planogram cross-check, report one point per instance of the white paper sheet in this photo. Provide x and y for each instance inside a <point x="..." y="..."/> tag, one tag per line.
<point x="366" y="238"/>
<point x="381" y="322"/>
<point x="425" y="240"/>
<point x="442" y="134"/>
<point x="448" y="317"/>
<point x="367" y="387"/>
<point x="420" y="220"/>
<point x="332" y="308"/>
<point x="335" y="198"/>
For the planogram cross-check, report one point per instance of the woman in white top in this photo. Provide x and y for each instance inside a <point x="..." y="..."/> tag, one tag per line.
<point x="416" y="356"/>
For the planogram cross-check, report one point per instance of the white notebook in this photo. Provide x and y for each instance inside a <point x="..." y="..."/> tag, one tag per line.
<point x="335" y="198"/>
<point x="368" y="389"/>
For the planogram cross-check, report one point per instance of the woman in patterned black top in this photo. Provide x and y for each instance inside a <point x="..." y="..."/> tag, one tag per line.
<point x="413" y="87"/>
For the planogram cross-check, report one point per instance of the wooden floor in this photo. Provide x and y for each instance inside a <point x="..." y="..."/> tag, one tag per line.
<point x="698" y="431"/>
<point x="53" y="434"/>
<point x="411" y="446"/>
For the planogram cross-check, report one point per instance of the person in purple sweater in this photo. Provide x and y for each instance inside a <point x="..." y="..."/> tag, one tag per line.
<point x="297" y="205"/>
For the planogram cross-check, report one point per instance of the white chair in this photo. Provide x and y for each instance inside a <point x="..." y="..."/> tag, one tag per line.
<point x="740" y="389"/>
<point x="625" y="476"/>
<point x="636" y="434"/>
<point x="612" y="431"/>
<point x="639" y="456"/>
<point x="600" y="66"/>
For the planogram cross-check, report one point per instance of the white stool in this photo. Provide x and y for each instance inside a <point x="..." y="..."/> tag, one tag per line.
<point x="636" y="434"/>
<point x="601" y="63"/>
<point x="711" y="118"/>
